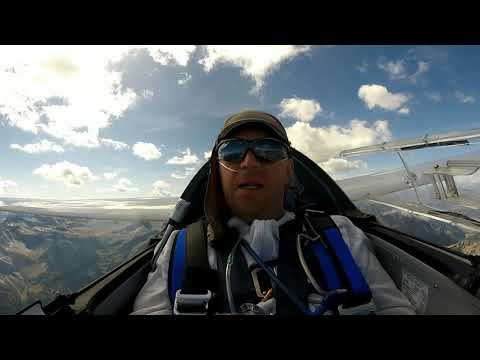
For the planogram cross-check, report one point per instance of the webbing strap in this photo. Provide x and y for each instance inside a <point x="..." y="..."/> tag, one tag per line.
<point x="329" y="272"/>
<point x="197" y="268"/>
<point x="189" y="268"/>
<point x="177" y="266"/>
<point x="356" y="282"/>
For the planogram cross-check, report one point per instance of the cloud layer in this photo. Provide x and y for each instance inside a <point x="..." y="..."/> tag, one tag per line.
<point x="70" y="174"/>
<point x="187" y="159"/>
<point x="255" y="61"/>
<point x="41" y="147"/>
<point x="323" y="144"/>
<point x="124" y="185"/>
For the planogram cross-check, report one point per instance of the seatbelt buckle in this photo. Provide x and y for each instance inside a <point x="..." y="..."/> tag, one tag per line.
<point x="191" y="304"/>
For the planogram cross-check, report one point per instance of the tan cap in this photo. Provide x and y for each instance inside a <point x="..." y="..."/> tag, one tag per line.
<point x="254" y="117"/>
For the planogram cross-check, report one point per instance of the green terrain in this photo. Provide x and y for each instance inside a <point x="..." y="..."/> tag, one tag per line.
<point x="42" y="256"/>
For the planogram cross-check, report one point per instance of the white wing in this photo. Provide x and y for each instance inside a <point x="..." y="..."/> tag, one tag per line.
<point x="367" y="186"/>
<point x="446" y="139"/>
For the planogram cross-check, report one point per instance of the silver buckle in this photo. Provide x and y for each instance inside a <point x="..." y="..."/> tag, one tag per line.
<point x="191" y="304"/>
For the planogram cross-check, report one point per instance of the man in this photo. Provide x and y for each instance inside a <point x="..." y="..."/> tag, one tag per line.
<point x="253" y="241"/>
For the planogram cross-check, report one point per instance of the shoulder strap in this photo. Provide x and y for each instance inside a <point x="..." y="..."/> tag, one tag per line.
<point x="177" y="265"/>
<point x="290" y="270"/>
<point x="338" y="267"/>
<point x="197" y="268"/>
<point x="189" y="269"/>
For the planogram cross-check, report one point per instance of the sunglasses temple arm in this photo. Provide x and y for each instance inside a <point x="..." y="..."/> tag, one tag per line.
<point x="228" y="168"/>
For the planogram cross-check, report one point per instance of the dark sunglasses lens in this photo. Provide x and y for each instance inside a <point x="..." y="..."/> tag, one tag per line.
<point x="231" y="151"/>
<point x="270" y="150"/>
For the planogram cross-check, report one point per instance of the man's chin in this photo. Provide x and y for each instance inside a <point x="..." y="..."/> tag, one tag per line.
<point x="249" y="216"/>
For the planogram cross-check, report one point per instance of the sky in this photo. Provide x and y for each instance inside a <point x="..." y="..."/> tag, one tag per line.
<point x="86" y="122"/>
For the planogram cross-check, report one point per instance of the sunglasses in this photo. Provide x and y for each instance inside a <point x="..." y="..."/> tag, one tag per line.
<point x="266" y="150"/>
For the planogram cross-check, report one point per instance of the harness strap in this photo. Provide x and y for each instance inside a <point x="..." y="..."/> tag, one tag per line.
<point x="356" y="282"/>
<point x="177" y="265"/>
<point x="338" y="267"/>
<point x="190" y="270"/>
<point x="329" y="272"/>
<point x="197" y="268"/>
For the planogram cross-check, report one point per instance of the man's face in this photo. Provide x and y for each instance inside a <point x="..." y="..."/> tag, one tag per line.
<point x="265" y="201"/>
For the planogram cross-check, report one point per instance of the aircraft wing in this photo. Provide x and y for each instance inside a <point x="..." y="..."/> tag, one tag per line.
<point x="365" y="186"/>
<point x="435" y="172"/>
<point x="446" y="139"/>
<point x="447" y="204"/>
<point x="423" y="211"/>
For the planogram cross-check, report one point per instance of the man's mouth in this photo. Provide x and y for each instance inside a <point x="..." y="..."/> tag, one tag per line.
<point x="250" y="186"/>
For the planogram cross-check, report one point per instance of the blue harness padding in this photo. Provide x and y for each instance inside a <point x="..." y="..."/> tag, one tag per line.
<point x="177" y="265"/>
<point x="329" y="271"/>
<point x="351" y="278"/>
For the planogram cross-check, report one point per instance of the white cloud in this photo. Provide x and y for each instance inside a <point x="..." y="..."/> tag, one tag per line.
<point x="70" y="174"/>
<point x="8" y="187"/>
<point x="323" y="143"/>
<point x="40" y="147"/>
<point x="110" y="175"/>
<point x="188" y="171"/>
<point x="434" y="96"/>
<point x="396" y="70"/>
<point x="117" y="145"/>
<point x="67" y="92"/>
<point x="404" y="111"/>
<point x="90" y="93"/>
<point x="378" y="96"/>
<point x="187" y="159"/>
<point x="165" y="54"/>
<point x="146" y="151"/>
<point x="148" y="94"/>
<point x="335" y="165"/>
<point x="300" y="109"/>
<point x="124" y="185"/>
<point x="178" y="176"/>
<point x="256" y="61"/>
<point x="423" y="67"/>
<point x="463" y="98"/>
<point x="363" y="67"/>
<point x="186" y="77"/>
<point x="162" y="189"/>
<point x="207" y="154"/>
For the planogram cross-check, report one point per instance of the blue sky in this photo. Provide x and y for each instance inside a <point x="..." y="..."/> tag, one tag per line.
<point x="135" y="121"/>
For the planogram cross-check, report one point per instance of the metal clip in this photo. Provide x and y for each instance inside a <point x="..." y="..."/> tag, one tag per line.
<point x="191" y="304"/>
<point x="260" y="293"/>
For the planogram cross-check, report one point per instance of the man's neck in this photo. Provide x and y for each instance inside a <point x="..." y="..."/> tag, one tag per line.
<point x="249" y="219"/>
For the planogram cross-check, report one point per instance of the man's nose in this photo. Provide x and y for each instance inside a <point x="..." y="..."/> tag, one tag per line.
<point x="249" y="161"/>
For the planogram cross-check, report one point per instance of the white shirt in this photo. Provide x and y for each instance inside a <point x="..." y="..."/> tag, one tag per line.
<point x="263" y="237"/>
